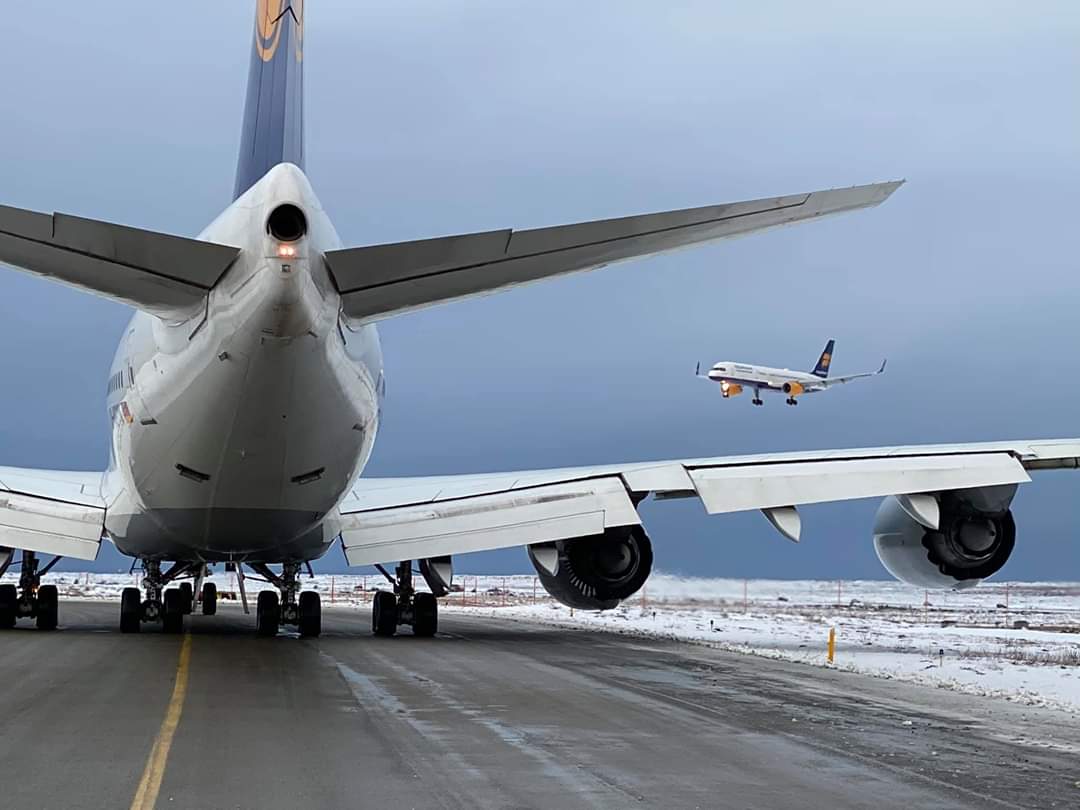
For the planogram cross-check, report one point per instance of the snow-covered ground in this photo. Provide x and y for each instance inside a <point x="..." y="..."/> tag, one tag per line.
<point x="1019" y="641"/>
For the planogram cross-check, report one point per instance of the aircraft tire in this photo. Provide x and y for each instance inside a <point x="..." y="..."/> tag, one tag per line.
<point x="267" y="614"/>
<point x="9" y="606"/>
<point x="425" y="615"/>
<point x="48" y="607"/>
<point x="209" y="599"/>
<point x="130" y="610"/>
<point x="172" y="614"/>
<point x="189" y="597"/>
<point x="384" y="614"/>
<point x="310" y="609"/>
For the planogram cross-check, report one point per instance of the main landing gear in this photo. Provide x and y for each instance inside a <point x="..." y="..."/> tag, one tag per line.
<point x="30" y="599"/>
<point x="166" y="606"/>
<point x="792" y="401"/>
<point x="757" y="397"/>
<point x="404" y="606"/>
<point x="300" y="608"/>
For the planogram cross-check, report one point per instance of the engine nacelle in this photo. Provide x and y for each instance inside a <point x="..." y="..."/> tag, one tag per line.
<point x="729" y="389"/>
<point x="793" y="388"/>
<point x="597" y="572"/>
<point x="974" y="539"/>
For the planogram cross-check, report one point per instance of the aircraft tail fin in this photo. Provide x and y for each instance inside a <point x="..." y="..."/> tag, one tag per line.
<point x="822" y="367"/>
<point x="273" y="128"/>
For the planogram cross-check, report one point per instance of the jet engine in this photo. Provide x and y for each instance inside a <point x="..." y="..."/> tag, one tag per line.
<point x="974" y="537"/>
<point x="793" y="388"/>
<point x="728" y="389"/>
<point x="597" y="572"/>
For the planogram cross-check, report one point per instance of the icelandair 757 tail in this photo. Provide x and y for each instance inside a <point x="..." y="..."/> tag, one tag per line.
<point x="273" y="130"/>
<point x="822" y="367"/>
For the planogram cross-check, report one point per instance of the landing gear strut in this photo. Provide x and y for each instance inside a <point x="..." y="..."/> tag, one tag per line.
<point x="404" y="605"/>
<point x="302" y="609"/>
<point x="757" y="397"/>
<point x="30" y="598"/>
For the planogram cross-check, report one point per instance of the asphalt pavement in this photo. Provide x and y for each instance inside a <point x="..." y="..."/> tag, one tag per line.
<point x="491" y="713"/>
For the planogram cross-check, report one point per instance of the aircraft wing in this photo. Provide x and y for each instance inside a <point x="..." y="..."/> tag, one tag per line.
<point x="830" y="381"/>
<point x="391" y="519"/>
<point x="51" y="512"/>
<point x="157" y="272"/>
<point x="383" y="280"/>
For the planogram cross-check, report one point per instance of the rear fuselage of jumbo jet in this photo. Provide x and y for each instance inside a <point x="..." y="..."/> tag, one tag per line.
<point x="237" y="428"/>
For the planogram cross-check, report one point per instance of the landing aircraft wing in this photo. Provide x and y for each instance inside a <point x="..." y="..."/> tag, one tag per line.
<point x="830" y="381"/>
<point x="51" y="512"/>
<point x="157" y="272"/>
<point x="391" y="519"/>
<point x="382" y="280"/>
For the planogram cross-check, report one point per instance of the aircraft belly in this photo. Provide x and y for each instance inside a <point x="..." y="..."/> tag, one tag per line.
<point x="264" y="442"/>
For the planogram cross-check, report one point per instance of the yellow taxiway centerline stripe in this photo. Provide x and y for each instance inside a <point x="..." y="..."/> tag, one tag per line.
<point x="150" y="784"/>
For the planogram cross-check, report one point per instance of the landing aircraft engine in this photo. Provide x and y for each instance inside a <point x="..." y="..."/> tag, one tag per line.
<point x="975" y="536"/>
<point x="728" y="389"/>
<point x="793" y="388"/>
<point x="597" y="572"/>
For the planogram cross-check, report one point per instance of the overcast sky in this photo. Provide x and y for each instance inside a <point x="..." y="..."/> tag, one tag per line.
<point x="432" y="118"/>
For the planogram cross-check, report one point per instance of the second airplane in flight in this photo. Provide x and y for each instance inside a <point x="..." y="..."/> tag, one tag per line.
<point x="734" y="377"/>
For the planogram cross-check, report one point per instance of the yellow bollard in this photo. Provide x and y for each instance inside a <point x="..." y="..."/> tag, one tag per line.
<point x="832" y="643"/>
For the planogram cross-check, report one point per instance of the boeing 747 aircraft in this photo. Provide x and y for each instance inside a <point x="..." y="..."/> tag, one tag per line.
<point x="734" y="377"/>
<point x="246" y="392"/>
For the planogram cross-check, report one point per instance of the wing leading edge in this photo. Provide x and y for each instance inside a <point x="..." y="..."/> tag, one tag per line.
<point x="383" y="280"/>
<point x="386" y="520"/>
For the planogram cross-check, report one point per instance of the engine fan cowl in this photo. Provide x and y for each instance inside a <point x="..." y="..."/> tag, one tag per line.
<point x="974" y="540"/>
<point x="597" y="572"/>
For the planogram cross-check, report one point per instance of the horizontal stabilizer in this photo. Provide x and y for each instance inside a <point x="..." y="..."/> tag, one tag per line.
<point x="382" y="280"/>
<point x="156" y="272"/>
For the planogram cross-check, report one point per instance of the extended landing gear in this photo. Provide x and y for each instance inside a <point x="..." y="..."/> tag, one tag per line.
<point x="302" y="609"/>
<point x="166" y="606"/>
<point x="404" y="606"/>
<point x="30" y="598"/>
<point x="757" y="397"/>
<point x="792" y="401"/>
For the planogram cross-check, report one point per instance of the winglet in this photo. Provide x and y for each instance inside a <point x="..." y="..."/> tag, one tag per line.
<point x="697" y="369"/>
<point x="882" y="369"/>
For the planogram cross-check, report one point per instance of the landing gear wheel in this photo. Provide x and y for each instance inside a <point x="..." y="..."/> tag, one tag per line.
<point x="172" y="614"/>
<point x="310" y="619"/>
<point x="209" y="599"/>
<point x="189" y="597"/>
<point x="9" y="606"/>
<point x="425" y="615"/>
<point x="48" y="607"/>
<point x="757" y="402"/>
<point x="130" y="610"/>
<point x="267" y="614"/>
<point x="384" y="614"/>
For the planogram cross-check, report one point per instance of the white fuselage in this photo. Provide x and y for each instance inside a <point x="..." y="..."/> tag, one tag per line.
<point x="733" y="377"/>
<point x="238" y="428"/>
